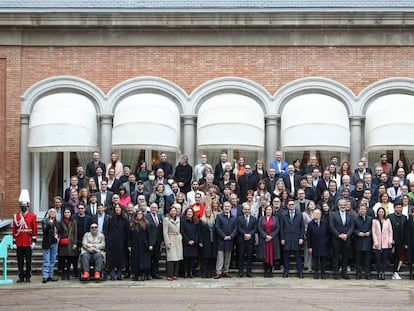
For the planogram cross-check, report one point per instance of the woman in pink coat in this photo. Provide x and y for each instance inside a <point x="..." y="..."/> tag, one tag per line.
<point x="382" y="241"/>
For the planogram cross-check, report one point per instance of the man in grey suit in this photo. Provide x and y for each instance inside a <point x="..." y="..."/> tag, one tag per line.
<point x="292" y="235"/>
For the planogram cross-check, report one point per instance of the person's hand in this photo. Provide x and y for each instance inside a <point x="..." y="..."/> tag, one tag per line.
<point x="13" y="246"/>
<point x="32" y="246"/>
<point x="283" y="242"/>
<point x="300" y="241"/>
<point x="129" y="249"/>
<point x="150" y="248"/>
<point x="310" y="250"/>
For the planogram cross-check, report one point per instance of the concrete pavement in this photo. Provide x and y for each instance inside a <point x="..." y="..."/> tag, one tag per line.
<point x="239" y="294"/>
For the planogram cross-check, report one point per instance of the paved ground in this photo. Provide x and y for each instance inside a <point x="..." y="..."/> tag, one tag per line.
<point x="254" y="294"/>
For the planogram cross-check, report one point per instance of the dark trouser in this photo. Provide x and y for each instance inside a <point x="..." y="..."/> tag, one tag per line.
<point x="172" y="268"/>
<point x="363" y="262"/>
<point x="245" y="252"/>
<point x="207" y="266"/>
<point x="298" y="259"/>
<point x="155" y="259"/>
<point x="189" y="266"/>
<point x="397" y="255"/>
<point x="341" y="250"/>
<point x="24" y="254"/>
<point x="381" y="259"/>
<point x="319" y="264"/>
<point x="66" y="262"/>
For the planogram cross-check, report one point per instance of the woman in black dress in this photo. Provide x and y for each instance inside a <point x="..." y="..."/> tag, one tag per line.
<point x="190" y="232"/>
<point x="140" y="245"/>
<point x="207" y="243"/>
<point x="117" y="242"/>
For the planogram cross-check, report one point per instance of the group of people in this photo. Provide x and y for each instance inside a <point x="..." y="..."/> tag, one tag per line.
<point x="209" y="219"/>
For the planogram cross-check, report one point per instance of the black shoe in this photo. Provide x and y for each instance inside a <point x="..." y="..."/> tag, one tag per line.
<point x="368" y="277"/>
<point x="119" y="278"/>
<point x="27" y="280"/>
<point x="358" y="277"/>
<point x="20" y="280"/>
<point x="156" y="276"/>
<point x="316" y="276"/>
<point x="52" y="279"/>
<point x="335" y="276"/>
<point x="300" y="275"/>
<point x="346" y="277"/>
<point x="127" y="276"/>
<point x="63" y="277"/>
<point x="44" y="280"/>
<point x="249" y="275"/>
<point x="285" y="275"/>
<point x="240" y="275"/>
<point x="148" y="277"/>
<point x="323" y="276"/>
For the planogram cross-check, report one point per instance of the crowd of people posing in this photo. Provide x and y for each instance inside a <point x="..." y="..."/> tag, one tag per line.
<point x="209" y="219"/>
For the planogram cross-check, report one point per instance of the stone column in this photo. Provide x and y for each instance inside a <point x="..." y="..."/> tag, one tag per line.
<point x="189" y="140"/>
<point x="272" y="123"/>
<point x="25" y="172"/>
<point x="106" y="137"/>
<point x="356" y="140"/>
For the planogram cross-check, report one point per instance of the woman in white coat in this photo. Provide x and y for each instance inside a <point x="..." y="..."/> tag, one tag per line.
<point x="173" y="242"/>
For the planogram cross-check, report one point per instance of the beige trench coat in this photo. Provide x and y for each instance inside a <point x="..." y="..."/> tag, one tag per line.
<point x="173" y="239"/>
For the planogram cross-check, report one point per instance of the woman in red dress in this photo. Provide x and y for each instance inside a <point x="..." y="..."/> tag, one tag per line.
<point x="268" y="249"/>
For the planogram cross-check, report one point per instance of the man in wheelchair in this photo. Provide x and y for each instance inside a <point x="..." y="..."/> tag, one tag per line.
<point x="93" y="251"/>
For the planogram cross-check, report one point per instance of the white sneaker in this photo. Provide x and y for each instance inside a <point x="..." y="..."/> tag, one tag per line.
<point x="399" y="265"/>
<point x="396" y="276"/>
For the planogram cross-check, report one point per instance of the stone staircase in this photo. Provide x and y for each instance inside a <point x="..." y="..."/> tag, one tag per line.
<point x="37" y="260"/>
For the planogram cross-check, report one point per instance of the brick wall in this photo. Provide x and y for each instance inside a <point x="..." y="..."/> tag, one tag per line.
<point x="272" y="67"/>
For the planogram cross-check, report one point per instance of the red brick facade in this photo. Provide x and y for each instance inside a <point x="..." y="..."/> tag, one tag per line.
<point x="188" y="67"/>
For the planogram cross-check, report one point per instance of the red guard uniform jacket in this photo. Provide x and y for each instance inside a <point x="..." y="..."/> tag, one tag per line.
<point x="24" y="228"/>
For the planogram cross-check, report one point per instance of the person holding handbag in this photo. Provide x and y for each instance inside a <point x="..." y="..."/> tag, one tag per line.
<point x="67" y="249"/>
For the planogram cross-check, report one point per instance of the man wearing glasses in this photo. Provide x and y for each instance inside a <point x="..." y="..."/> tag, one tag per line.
<point x="292" y="235"/>
<point x="93" y="250"/>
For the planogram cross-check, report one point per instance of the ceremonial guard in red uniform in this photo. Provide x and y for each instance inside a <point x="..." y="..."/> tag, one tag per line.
<point x="24" y="236"/>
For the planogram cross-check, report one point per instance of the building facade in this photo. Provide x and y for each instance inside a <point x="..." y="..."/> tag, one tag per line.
<point x="249" y="79"/>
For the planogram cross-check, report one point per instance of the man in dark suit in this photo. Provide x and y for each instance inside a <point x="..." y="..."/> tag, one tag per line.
<point x="291" y="181"/>
<point x="323" y="184"/>
<point x="219" y="169"/>
<point x="398" y="222"/>
<point x="164" y="165"/>
<point x="113" y="183"/>
<point x="312" y="165"/>
<point x="95" y="163"/>
<point x="155" y="226"/>
<point x="270" y="180"/>
<point x="318" y="243"/>
<point x="246" y="228"/>
<point x="101" y="219"/>
<point x="247" y="181"/>
<point x="292" y="235"/>
<point x="92" y="207"/>
<point x="104" y="196"/>
<point x="226" y="232"/>
<point x="363" y="242"/>
<point x="83" y="223"/>
<point x="342" y="228"/>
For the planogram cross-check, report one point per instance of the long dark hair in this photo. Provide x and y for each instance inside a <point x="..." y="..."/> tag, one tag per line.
<point x="135" y="223"/>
